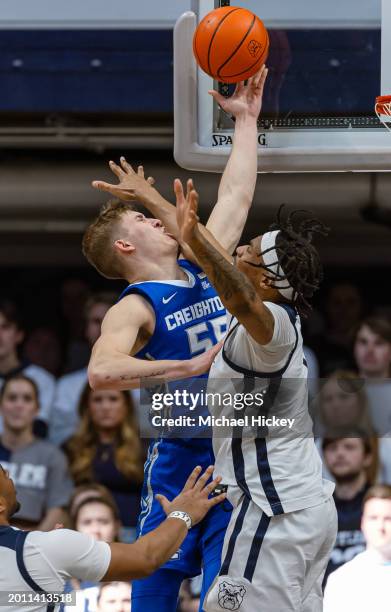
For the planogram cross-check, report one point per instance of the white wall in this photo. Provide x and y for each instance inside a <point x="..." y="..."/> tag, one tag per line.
<point x="344" y="13"/>
<point x="163" y="13"/>
<point x="91" y="13"/>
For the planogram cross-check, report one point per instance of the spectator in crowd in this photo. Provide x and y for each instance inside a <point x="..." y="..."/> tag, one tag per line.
<point x="344" y="310"/>
<point x="107" y="449"/>
<point x="74" y="295"/>
<point x="82" y="492"/>
<point x="342" y="403"/>
<point x="11" y="337"/>
<point x="365" y="582"/>
<point x="114" y="597"/>
<point x="98" y="517"/>
<point x="372" y="352"/>
<point x="65" y="418"/>
<point x="342" y="406"/>
<point x="38" y="468"/>
<point x="43" y="348"/>
<point x="348" y="461"/>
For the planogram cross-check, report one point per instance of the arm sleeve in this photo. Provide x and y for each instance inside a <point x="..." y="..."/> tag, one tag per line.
<point x="73" y="554"/>
<point x="59" y="484"/>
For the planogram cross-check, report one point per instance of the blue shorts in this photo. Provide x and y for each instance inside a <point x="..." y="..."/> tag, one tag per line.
<point x="168" y="466"/>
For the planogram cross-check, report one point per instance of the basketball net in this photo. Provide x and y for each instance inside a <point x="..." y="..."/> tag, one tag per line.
<point x="383" y="110"/>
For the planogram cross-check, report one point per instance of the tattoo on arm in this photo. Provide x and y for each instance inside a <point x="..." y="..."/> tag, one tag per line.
<point x="129" y="377"/>
<point x="138" y="376"/>
<point x="229" y="282"/>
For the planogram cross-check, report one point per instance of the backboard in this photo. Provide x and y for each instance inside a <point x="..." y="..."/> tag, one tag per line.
<point x="327" y="63"/>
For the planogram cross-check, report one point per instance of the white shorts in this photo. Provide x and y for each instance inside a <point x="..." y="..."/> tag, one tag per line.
<point x="274" y="564"/>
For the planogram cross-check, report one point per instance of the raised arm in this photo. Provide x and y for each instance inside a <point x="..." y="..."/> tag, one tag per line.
<point x="234" y="288"/>
<point x="111" y="364"/>
<point x="237" y="185"/>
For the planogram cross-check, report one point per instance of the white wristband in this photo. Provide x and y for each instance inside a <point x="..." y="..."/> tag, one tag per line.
<point x="183" y="516"/>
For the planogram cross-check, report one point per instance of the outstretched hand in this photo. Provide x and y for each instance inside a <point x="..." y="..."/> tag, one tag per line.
<point x="132" y="185"/>
<point x="246" y="99"/>
<point x="194" y="497"/>
<point x="186" y="211"/>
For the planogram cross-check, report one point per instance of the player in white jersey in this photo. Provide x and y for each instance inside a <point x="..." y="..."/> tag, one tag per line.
<point x="283" y="526"/>
<point x="34" y="565"/>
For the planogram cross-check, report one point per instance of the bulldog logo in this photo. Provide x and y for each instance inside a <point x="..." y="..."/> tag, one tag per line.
<point x="231" y="596"/>
<point x="254" y="47"/>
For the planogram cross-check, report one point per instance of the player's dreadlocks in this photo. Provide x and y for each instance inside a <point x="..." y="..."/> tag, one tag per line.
<point x="298" y="257"/>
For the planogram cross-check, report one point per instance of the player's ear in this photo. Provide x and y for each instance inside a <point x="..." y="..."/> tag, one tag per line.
<point x="125" y="247"/>
<point x="265" y="281"/>
<point x="3" y="504"/>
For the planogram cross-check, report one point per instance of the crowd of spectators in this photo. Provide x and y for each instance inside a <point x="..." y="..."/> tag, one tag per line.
<point x="76" y="454"/>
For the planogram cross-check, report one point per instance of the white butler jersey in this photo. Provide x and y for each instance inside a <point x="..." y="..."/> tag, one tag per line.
<point x="270" y="456"/>
<point x="36" y="564"/>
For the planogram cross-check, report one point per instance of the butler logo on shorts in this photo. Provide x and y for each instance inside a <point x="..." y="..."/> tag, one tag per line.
<point x="254" y="47"/>
<point x="231" y="595"/>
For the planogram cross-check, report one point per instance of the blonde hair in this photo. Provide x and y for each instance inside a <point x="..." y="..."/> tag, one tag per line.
<point x="82" y="447"/>
<point x="97" y="243"/>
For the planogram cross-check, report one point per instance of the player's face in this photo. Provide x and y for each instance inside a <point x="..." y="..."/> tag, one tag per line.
<point x="249" y="253"/>
<point x="376" y="523"/>
<point x="346" y="458"/>
<point x="339" y="408"/>
<point x="372" y="353"/>
<point x="107" y="409"/>
<point x="9" y="505"/>
<point x="19" y="405"/>
<point x="10" y="337"/>
<point x="249" y="259"/>
<point x="95" y="316"/>
<point x="148" y="236"/>
<point x="96" y="519"/>
<point x="115" y="598"/>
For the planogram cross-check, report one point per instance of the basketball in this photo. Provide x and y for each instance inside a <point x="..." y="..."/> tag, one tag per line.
<point x="230" y="44"/>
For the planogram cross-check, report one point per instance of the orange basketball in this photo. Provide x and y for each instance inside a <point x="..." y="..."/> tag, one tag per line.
<point x="230" y="44"/>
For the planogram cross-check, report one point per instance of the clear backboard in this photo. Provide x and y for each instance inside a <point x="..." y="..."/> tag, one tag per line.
<point x="327" y="63"/>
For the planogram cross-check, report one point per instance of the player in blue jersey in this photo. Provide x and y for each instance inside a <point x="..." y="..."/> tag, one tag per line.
<point x="166" y="324"/>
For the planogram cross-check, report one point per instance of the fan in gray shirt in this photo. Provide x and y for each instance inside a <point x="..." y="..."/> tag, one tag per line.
<point x="38" y="468"/>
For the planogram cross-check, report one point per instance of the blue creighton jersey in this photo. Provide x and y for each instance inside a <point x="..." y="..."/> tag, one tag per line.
<point x="190" y="317"/>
